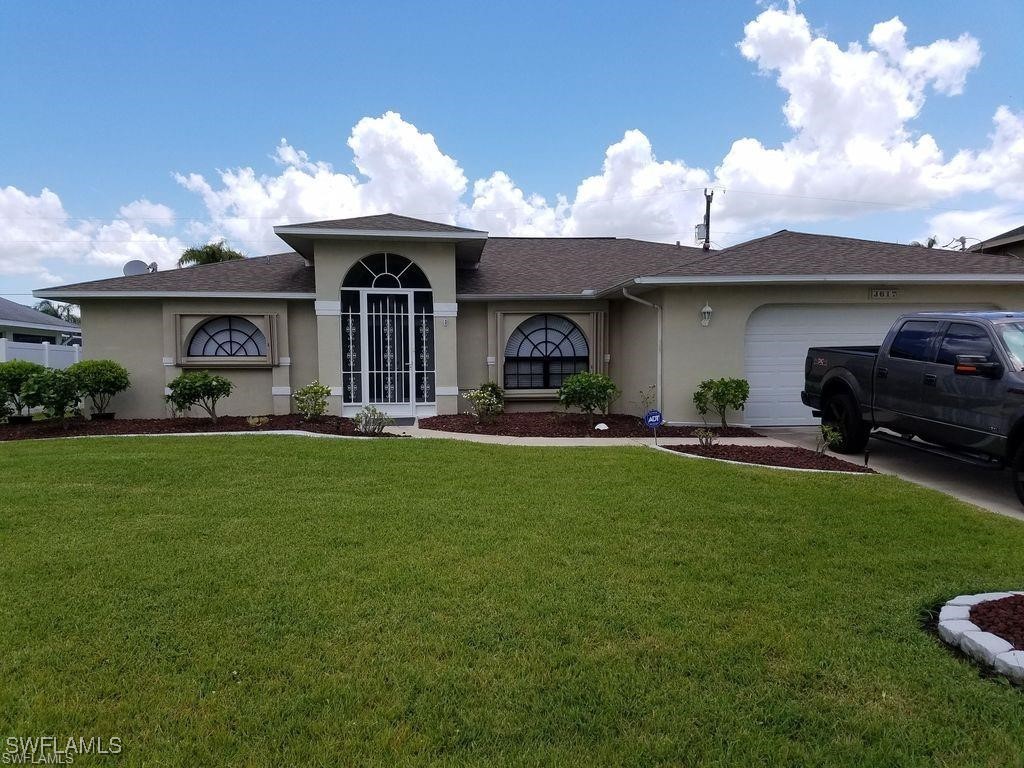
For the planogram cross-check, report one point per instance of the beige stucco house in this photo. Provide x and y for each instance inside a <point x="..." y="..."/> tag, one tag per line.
<point x="406" y="314"/>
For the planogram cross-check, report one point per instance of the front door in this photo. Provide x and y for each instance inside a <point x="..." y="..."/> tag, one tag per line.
<point x="388" y="352"/>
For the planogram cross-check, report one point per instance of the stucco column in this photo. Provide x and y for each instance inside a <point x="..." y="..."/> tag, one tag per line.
<point x="328" y="339"/>
<point x="446" y="358"/>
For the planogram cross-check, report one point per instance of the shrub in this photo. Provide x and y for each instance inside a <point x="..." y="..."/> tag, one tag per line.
<point x="828" y="438"/>
<point x="53" y="389"/>
<point x="488" y="402"/>
<point x="257" y="421"/>
<point x="371" y="421"/>
<point x="721" y="395"/>
<point x="13" y="375"/>
<point x="311" y="400"/>
<point x="200" y="388"/>
<point x="590" y="392"/>
<point x="6" y="409"/>
<point x="705" y="437"/>
<point x="100" y="380"/>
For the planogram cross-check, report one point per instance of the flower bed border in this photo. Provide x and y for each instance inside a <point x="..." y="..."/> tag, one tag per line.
<point x="847" y="472"/>
<point x="956" y="629"/>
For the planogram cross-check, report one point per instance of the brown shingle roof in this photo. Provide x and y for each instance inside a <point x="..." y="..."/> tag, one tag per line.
<point x="799" y="253"/>
<point x="529" y="266"/>
<point x="385" y="221"/>
<point x="277" y="273"/>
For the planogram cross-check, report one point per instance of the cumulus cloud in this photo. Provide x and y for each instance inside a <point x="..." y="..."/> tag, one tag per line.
<point x="39" y="238"/>
<point x="854" y="147"/>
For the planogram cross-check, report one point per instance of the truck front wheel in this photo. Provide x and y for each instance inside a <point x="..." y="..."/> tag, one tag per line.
<point x="1017" y="468"/>
<point x="841" y="412"/>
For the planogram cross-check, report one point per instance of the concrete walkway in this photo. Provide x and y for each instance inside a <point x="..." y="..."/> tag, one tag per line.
<point x="986" y="488"/>
<point x="589" y="442"/>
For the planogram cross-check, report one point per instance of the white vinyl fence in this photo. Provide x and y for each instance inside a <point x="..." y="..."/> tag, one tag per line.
<point x="50" y="355"/>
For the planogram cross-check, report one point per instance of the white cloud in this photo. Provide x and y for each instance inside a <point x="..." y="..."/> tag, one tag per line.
<point x="851" y="112"/>
<point x="37" y="234"/>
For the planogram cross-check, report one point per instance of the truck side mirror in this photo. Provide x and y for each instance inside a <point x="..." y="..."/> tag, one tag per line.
<point x="977" y="365"/>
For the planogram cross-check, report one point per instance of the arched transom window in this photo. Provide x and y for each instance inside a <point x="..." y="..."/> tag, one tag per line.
<point x="543" y="351"/>
<point x="228" y="337"/>
<point x="385" y="270"/>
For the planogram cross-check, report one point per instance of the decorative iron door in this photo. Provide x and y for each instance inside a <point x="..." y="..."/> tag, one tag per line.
<point x="388" y="349"/>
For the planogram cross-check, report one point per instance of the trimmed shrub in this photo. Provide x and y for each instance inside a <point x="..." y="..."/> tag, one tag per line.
<point x="199" y="388"/>
<point x="311" y="400"/>
<point x="721" y="396"/>
<point x="100" y="380"/>
<point x="486" y="403"/>
<point x="54" y="390"/>
<point x="371" y="421"/>
<point x="13" y="375"/>
<point x="590" y="392"/>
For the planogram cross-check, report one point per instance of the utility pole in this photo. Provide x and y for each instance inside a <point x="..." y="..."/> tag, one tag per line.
<point x="707" y="218"/>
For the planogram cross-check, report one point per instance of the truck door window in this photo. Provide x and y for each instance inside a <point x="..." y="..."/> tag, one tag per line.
<point x="913" y="340"/>
<point x="1012" y="335"/>
<point x="964" y="339"/>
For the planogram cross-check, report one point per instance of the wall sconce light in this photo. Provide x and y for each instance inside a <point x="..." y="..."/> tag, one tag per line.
<point x="705" y="315"/>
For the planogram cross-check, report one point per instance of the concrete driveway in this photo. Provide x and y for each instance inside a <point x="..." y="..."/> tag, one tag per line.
<point x="985" y="488"/>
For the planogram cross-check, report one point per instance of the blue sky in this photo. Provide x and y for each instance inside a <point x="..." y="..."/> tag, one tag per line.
<point x="103" y="105"/>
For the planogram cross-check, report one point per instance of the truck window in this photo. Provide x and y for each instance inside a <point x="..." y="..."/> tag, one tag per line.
<point x="964" y="339"/>
<point x="912" y="340"/>
<point x="1012" y="335"/>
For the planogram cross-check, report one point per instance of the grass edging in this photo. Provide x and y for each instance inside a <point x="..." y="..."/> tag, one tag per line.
<point x="765" y="466"/>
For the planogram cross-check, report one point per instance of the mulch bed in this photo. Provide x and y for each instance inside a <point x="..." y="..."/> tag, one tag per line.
<point x="559" y="424"/>
<point x="1003" y="617"/>
<point x="795" y="458"/>
<point x="330" y="425"/>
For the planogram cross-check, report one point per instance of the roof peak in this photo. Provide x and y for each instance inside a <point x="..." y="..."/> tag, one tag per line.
<point x="382" y="221"/>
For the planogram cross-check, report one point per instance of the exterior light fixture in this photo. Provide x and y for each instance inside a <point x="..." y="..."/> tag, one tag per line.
<point x="705" y="315"/>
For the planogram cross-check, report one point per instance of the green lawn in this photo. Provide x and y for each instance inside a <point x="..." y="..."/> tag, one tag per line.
<point x="287" y="601"/>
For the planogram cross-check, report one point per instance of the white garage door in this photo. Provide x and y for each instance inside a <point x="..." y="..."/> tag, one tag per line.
<point x="776" y="346"/>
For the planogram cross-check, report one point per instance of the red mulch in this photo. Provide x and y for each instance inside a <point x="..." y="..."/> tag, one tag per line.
<point x="1002" y="617"/>
<point x="331" y="425"/>
<point x="560" y="424"/>
<point x="798" y="458"/>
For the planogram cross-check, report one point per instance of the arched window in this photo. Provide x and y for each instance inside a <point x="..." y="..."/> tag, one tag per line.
<point x="543" y="351"/>
<point x="385" y="270"/>
<point x="228" y="337"/>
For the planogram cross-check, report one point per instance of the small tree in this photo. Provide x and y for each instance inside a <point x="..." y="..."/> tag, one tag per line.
<point x="53" y="389"/>
<point x="487" y="402"/>
<point x="13" y="375"/>
<point x="720" y="396"/>
<point x="311" y="400"/>
<point x="590" y="392"/>
<point x="100" y="380"/>
<point x="200" y="388"/>
<point x="211" y="253"/>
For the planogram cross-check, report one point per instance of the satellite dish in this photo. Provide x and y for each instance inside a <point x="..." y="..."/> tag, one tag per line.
<point x="135" y="267"/>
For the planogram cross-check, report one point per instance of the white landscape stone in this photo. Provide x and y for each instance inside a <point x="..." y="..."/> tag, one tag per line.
<point x="1011" y="664"/>
<point x="950" y="631"/>
<point x="951" y="612"/>
<point x="983" y="646"/>
<point x="984" y="597"/>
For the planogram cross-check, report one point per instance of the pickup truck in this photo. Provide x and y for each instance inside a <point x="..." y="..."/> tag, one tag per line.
<point x="947" y="382"/>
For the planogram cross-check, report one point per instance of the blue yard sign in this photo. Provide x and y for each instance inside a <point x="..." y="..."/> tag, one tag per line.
<point x="653" y="419"/>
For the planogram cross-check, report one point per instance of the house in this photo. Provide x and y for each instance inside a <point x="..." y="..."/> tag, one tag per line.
<point x="24" y="324"/>
<point x="1008" y="244"/>
<point x="406" y="314"/>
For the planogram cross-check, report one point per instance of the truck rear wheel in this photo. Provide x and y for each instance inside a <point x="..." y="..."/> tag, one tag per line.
<point x="841" y="412"/>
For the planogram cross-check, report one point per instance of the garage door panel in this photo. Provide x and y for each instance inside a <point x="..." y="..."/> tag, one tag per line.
<point x="776" y="343"/>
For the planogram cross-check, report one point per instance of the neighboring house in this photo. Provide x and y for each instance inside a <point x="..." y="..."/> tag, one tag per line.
<point x="24" y="324"/>
<point x="405" y="314"/>
<point x="1008" y="244"/>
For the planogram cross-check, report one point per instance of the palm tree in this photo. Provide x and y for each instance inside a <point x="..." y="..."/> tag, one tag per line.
<point x="211" y="253"/>
<point x="65" y="312"/>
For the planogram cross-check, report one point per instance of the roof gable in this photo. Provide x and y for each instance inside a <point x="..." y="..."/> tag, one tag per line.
<point x="384" y="222"/>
